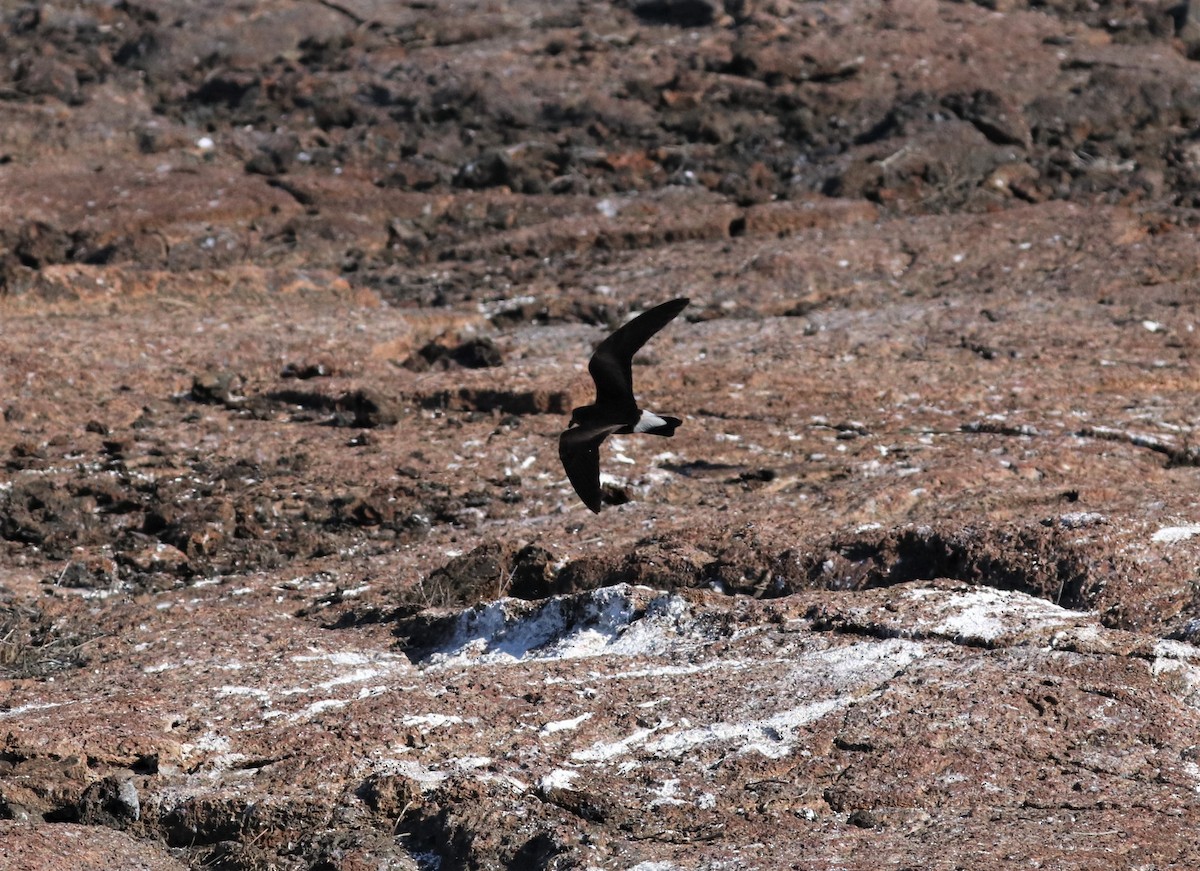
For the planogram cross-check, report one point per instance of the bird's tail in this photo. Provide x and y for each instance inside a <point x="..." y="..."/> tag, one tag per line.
<point x="664" y="426"/>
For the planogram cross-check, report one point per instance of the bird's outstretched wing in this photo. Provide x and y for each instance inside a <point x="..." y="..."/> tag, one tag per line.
<point x="579" y="450"/>
<point x="611" y="365"/>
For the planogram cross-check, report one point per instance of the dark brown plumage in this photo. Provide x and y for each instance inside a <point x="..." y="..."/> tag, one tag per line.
<point x="615" y="409"/>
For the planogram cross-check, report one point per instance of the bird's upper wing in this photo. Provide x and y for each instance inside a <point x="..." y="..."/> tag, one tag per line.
<point x="611" y="365"/>
<point x="579" y="450"/>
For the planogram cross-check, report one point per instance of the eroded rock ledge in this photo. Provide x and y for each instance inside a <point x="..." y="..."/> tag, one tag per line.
<point x="638" y="725"/>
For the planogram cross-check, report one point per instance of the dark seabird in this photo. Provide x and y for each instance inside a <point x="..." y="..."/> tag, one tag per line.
<point x="615" y="409"/>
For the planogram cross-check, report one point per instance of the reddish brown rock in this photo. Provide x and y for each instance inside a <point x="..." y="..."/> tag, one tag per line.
<point x="912" y="585"/>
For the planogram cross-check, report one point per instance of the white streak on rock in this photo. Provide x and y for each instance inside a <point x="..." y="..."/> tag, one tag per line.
<point x="560" y="725"/>
<point x="1172" y="534"/>
<point x="559" y="778"/>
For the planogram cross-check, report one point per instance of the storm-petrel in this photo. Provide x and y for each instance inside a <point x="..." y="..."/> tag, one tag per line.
<point x="615" y="409"/>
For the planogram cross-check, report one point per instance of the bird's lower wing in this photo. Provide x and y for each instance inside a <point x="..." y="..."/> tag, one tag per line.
<point x="579" y="450"/>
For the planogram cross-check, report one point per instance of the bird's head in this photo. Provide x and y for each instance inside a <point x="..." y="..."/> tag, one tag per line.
<point x="585" y="415"/>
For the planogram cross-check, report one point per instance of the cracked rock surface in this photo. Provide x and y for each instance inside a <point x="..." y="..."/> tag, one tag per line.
<point x="295" y="299"/>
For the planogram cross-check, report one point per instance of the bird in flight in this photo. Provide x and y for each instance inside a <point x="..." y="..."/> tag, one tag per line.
<point x="615" y="409"/>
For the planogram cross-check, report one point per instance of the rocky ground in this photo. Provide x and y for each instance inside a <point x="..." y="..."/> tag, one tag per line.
<point x="296" y="297"/>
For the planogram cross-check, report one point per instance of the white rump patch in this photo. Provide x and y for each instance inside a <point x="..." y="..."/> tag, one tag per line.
<point x="648" y="421"/>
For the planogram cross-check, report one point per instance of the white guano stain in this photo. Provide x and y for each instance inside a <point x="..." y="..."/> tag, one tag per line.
<point x="1172" y="534"/>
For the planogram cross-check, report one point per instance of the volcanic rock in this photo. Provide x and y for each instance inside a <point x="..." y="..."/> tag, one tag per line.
<point x="913" y="584"/>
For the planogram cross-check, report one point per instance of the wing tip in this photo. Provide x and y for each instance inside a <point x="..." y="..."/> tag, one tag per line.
<point x="580" y="478"/>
